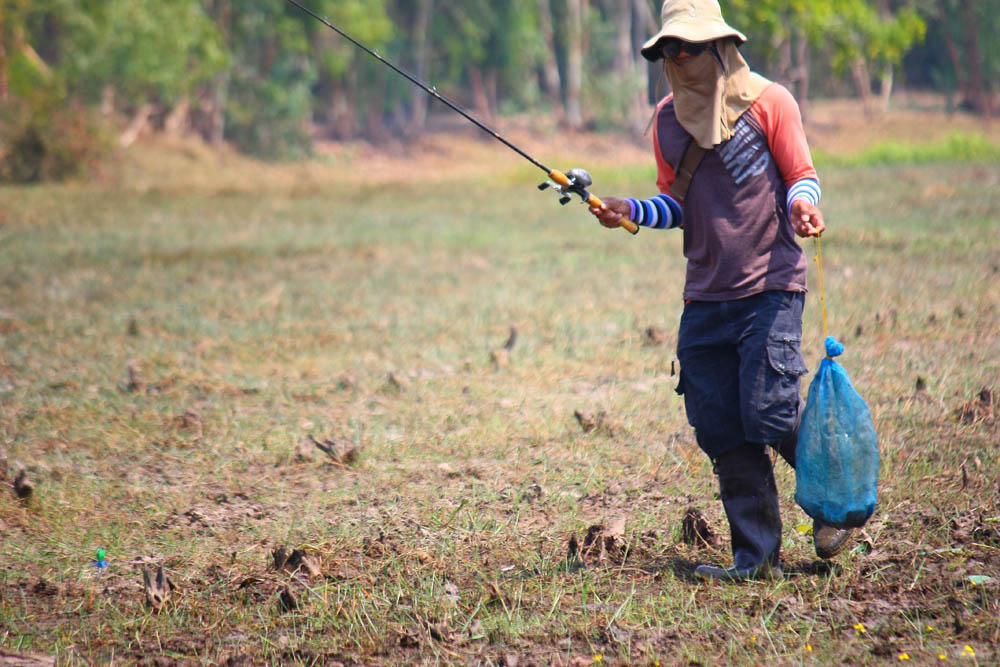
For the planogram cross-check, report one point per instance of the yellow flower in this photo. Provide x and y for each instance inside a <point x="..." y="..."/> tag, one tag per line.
<point x="930" y="627"/>
<point x="753" y="638"/>
<point x="904" y="656"/>
<point x="598" y="658"/>
<point x="969" y="652"/>
<point x="860" y="628"/>
<point x="809" y="648"/>
<point x="942" y="656"/>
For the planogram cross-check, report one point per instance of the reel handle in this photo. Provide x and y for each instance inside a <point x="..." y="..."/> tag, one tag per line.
<point x="592" y="200"/>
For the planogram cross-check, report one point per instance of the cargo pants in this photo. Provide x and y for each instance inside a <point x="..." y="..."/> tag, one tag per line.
<point x="741" y="369"/>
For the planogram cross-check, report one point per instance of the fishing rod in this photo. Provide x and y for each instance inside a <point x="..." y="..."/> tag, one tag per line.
<point x="573" y="182"/>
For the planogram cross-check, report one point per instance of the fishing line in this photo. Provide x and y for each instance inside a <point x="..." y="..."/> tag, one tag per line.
<point x="573" y="182"/>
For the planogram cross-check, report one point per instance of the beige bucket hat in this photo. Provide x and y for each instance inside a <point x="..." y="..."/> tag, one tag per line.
<point x="691" y="21"/>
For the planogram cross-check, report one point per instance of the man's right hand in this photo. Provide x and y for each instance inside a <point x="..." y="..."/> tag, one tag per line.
<point x="613" y="212"/>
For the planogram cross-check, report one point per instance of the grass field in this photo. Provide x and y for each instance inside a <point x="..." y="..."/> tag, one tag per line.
<point x="167" y="347"/>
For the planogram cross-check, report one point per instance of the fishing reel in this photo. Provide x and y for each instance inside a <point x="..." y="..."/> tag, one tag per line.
<point x="576" y="183"/>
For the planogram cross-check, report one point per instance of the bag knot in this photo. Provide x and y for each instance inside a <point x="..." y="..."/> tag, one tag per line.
<point x="833" y="348"/>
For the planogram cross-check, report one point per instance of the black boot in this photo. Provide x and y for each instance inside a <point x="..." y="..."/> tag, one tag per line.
<point x="764" y="571"/>
<point x="750" y="498"/>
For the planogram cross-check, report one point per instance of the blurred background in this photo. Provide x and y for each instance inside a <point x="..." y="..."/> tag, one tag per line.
<point x="80" y="79"/>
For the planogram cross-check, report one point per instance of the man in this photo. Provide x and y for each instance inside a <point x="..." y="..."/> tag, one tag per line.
<point x="735" y="172"/>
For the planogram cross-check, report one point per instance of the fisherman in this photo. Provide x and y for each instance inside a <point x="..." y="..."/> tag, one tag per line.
<point x="734" y="171"/>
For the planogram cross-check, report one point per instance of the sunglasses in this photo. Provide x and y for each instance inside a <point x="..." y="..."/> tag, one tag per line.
<point x="673" y="48"/>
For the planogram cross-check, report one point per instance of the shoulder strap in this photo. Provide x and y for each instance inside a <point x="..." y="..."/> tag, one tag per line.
<point x="693" y="155"/>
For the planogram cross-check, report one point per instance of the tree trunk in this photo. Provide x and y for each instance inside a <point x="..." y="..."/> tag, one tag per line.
<point x="645" y="26"/>
<point x="625" y="67"/>
<point x="222" y="12"/>
<point x="550" y="65"/>
<point x="492" y="91"/>
<point x="178" y="120"/>
<point x="982" y="96"/>
<point x="802" y="74"/>
<point x="343" y="113"/>
<point x="108" y="101"/>
<point x="139" y="122"/>
<point x="961" y="80"/>
<point x="885" y="93"/>
<point x="574" y="62"/>
<point x="375" y="129"/>
<point x="863" y="82"/>
<point x="217" y="109"/>
<point x="421" y="55"/>
<point x="480" y="98"/>
<point x="783" y="45"/>
<point x="4" y="85"/>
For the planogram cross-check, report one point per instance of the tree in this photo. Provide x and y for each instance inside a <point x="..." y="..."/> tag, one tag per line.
<point x="575" y="46"/>
<point x="855" y="36"/>
<point x="865" y="39"/>
<point x="968" y="31"/>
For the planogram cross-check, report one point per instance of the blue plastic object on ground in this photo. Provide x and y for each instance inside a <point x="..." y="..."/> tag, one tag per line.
<point x="836" y="458"/>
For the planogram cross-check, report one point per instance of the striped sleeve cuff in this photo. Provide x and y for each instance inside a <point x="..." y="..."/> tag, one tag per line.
<point x="660" y="212"/>
<point x="807" y="189"/>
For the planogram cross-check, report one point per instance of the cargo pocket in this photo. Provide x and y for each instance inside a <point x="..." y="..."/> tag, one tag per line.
<point x="778" y="402"/>
<point x="784" y="354"/>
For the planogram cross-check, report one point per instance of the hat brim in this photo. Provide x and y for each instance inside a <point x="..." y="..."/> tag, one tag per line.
<point x="652" y="50"/>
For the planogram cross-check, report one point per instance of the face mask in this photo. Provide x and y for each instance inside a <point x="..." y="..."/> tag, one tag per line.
<point x="711" y="91"/>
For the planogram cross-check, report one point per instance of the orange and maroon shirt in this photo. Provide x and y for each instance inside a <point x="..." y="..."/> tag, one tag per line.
<point x="738" y="239"/>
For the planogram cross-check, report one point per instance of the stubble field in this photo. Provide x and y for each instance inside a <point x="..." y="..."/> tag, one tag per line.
<point x="492" y="377"/>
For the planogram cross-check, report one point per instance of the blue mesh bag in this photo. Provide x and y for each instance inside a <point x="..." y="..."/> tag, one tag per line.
<point x="836" y="458"/>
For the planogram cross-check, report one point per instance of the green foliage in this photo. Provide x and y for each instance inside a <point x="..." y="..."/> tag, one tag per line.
<point x="856" y="30"/>
<point x="149" y="52"/>
<point x="853" y="28"/>
<point x="275" y="72"/>
<point x="270" y="99"/>
<point x="48" y="137"/>
<point x="957" y="148"/>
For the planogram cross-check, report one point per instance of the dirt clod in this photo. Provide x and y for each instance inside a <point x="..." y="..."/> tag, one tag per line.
<point x="980" y="409"/>
<point x="589" y="421"/>
<point x="287" y="600"/>
<point x="696" y="531"/>
<point x="500" y="359"/>
<point x="298" y="562"/>
<point x="157" y="586"/>
<point x="10" y="659"/>
<point x="341" y="451"/>
<point x="134" y="384"/>
<point x="655" y="337"/>
<point x="601" y="543"/>
<point x="44" y="588"/>
<point x="397" y="382"/>
<point x="511" y="339"/>
<point x="189" y="422"/>
<point x="23" y="486"/>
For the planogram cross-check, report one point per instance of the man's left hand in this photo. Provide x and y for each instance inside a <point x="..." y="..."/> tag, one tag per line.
<point x="807" y="219"/>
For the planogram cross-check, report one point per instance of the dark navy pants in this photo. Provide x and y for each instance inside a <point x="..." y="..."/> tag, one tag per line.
<point x="741" y="369"/>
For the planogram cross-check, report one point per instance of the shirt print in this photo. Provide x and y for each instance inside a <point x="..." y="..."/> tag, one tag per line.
<point x="746" y="154"/>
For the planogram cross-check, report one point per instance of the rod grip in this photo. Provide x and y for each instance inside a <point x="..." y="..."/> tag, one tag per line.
<point x="562" y="179"/>
<point x="626" y="224"/>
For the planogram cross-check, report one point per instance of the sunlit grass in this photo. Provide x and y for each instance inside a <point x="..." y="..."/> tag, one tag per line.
<point x="275" y="315"/>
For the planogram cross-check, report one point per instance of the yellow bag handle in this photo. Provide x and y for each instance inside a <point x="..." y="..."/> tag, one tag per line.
<point x="822" y="288"/>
